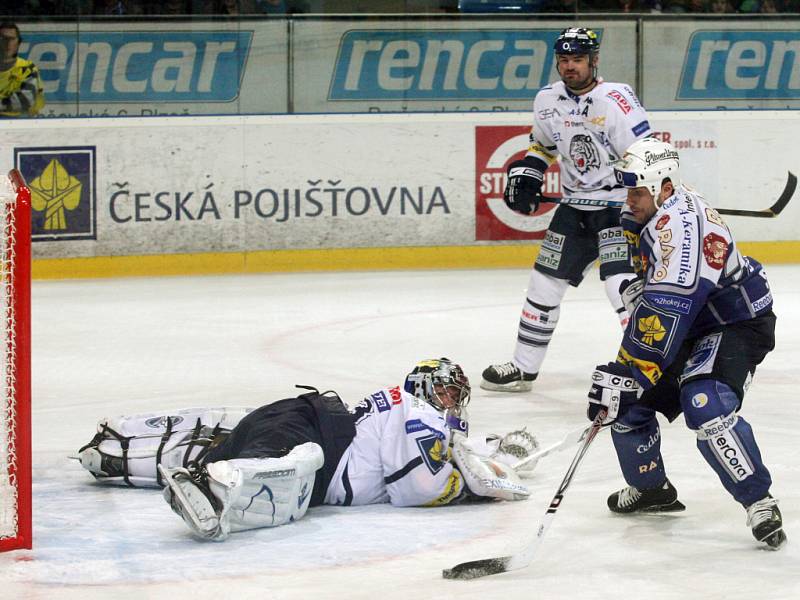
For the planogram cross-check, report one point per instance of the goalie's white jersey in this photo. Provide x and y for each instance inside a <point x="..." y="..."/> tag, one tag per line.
<point x="589" y="132"/>
<point x="399" y="455"/>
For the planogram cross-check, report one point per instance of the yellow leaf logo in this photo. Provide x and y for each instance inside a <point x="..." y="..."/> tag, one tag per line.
<point x="55" y="191"/>
<point x="652" y="329"/>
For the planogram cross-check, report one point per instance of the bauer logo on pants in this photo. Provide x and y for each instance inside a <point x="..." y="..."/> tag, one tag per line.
<point x="495" y="148"/>
<point x="63" y="191"/>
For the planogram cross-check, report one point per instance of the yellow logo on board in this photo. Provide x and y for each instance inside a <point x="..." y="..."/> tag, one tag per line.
<point x="54" y="192"/>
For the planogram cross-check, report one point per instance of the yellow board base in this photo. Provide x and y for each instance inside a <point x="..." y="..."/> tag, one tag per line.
<point x="338" y="259"/>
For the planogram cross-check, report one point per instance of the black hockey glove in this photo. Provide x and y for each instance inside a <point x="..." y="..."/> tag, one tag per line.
<point x="524" y="188"/>
<point x="630" y="291"/>
<point x="612" y="386"/>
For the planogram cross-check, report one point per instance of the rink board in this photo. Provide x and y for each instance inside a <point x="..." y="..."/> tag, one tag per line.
<point x="315" y="192"/>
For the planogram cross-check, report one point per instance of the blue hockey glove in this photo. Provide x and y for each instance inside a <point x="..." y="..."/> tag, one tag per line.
<point x="612" y="386"/>
<point x="524" y="188"/>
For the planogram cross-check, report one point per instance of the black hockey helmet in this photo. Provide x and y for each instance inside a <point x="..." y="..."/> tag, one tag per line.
<point x="577" y="40"/>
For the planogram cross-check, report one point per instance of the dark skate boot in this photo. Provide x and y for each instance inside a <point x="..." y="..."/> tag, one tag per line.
<point x="661" y="499"/>
<point x="765" y="520"/>
<point x="506" y="378"/>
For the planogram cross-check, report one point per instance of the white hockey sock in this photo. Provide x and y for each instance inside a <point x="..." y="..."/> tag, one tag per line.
<point x="538" y="321"/>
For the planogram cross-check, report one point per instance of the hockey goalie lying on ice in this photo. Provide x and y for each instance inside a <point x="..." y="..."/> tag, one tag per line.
<point x="232" y="469"/>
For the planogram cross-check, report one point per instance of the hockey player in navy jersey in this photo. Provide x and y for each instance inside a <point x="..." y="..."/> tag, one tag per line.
<point x="701" y="320"/>
<point x="589" y="123"/>
<point x="234" y="469"/>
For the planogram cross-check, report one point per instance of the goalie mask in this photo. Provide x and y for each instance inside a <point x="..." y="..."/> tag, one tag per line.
<point x="441" y="383"/>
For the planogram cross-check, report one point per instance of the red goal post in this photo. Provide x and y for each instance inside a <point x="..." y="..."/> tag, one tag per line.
<point x="15" y="417"/>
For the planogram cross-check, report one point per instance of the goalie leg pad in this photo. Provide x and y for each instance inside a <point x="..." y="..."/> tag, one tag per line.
<point x="126" y="450"/>
<point x="268" y="492"/>
<point x="485" y="476"/>
<point x="725" y="439"/>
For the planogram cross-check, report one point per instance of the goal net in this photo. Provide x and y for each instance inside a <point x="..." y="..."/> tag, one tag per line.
<point x="15" y="427"/>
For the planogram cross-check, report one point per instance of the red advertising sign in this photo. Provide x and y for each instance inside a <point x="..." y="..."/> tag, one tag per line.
<point x="495" y="148"/>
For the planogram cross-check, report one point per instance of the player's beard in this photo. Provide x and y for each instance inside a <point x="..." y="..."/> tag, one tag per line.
<point x="577" y="85"/>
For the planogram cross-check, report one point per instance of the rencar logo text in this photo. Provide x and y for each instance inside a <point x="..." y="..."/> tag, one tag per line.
<point x="741" y="64"/>
<point x="442" y="64"/>
<point x="131" y="66"/>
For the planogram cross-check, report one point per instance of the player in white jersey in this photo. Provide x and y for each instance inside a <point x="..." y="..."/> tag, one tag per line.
<point x="230" y="470"/>
<point x="589" y="123"/>
<point x="701" y="321"/>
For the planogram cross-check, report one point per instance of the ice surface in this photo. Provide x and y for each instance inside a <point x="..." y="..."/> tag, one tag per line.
<point x="104" y="347"/>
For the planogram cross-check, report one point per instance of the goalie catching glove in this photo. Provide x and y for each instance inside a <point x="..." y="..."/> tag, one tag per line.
<point x="524" y="189"/>
<point x="486" y="476"/>
<point x="612" y="386"/>
<point x="513" y="448"/>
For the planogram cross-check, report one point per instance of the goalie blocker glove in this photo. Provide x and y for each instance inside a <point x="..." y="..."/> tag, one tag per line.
<point x="612" y="386"/>
<point x="524" y="189"/>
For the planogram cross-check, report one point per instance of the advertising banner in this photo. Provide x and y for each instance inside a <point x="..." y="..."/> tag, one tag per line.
<point x="165" y="68"/>
<point x="162" y="185"/>
<point x="378" y="66"/>
<point x="721" y="65"/>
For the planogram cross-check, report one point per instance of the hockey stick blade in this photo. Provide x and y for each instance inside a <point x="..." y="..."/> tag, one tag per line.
<point x="478" y="568"/>
<point x="772" y="211"/>
<point x="493" y="566"/>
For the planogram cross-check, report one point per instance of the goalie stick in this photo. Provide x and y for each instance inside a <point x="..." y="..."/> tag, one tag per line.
<point x="572" y="438"/>
<point x="491" y="566"/>
<point x="772" y="211"/>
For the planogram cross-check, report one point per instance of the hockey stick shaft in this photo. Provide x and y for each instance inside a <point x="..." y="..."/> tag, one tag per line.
<point x="772" y="211"/>
<point x="492" y="566"/>
<point x="569" y="440"/>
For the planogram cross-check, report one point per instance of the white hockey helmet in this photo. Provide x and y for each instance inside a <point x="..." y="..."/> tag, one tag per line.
<point x="646" y="163"/>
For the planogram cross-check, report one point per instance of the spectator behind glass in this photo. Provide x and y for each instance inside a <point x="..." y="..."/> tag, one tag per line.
<point x="618" y="6"/>
<point x="173" y="7"/>
<point x="21" y="92"/>
<point x="235" y="7"/>
<point x="271" y="7"/>
<point x="721" y="7"/>
<point x="116" y="7"/>
<point x="559" y="6"/>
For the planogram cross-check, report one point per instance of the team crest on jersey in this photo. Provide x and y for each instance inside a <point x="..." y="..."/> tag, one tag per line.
<point x="584" y="153"/>
<point x="662" y="221"/>
<point x="654" y="329"/>
<point x="651" y="330"/>
<point x="433" y="452"/>
<point x="715" y="249"/>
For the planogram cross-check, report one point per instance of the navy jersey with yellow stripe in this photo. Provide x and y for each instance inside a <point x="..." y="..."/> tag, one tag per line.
<point x="695" y="279"/>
